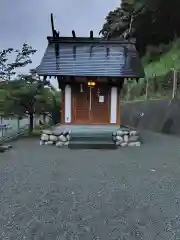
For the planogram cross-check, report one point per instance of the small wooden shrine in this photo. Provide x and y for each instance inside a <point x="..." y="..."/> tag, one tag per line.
<point x="90" y="72"/>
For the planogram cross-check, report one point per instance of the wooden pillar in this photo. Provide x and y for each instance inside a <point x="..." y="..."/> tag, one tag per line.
<point x="67" y="104"/>
<point x="119" y="107"/>
<point x="62" y="106"/>
<point x="115" y="105"/>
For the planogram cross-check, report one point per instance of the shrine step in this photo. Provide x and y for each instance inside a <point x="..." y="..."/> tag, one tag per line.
<point x="92" y="145"/>
<point x="91" y="137"/>
<point x="94" y="139"/>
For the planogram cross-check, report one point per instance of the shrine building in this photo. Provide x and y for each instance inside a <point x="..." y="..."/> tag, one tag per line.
<point x="90" y="72"/>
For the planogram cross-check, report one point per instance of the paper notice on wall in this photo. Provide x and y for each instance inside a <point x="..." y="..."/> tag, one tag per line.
<point x="101" y="99"/>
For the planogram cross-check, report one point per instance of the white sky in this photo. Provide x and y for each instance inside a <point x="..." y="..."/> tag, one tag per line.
<point x="29" y="21"/>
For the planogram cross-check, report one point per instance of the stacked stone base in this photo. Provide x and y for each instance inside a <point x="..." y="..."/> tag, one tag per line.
<point x="121" y="137"/>
<point x="58" y="139"/>
<point x="127" y="138"/>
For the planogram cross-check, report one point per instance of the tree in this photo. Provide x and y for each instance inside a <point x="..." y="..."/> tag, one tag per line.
<point x="119" y="20"/>
<point x="55" y="114"/>
<point x="151" y="22"/>
<point x="22" y="58"/>
<point x="28" y="96"/>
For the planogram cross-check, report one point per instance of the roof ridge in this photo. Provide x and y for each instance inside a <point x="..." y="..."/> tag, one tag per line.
<point x="89" y="40"/>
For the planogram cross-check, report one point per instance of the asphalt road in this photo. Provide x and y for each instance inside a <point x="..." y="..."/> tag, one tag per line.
<point x="128" y="194"/>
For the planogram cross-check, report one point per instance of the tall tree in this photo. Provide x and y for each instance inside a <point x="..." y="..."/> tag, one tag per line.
<point x="19" y="58"/>
<point x="28" y="96"/>
<point x="151" y="22"/>
<point x="119" y="20"/>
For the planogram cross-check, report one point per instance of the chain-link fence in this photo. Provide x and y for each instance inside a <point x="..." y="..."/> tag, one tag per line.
<point x="157" y="87"/>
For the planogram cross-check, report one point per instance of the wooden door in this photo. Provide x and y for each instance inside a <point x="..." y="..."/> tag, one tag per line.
<point x="81" y="104"/>
<point x="100" y="105"/>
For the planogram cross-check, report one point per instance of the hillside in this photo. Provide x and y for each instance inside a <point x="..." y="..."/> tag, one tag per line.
<point x="166" y="62"/>
<point x="158" y="64"/>
<point x="154" y="24"/>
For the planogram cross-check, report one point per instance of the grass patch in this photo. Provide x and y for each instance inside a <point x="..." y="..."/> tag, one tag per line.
<point x="166" y="62"/>
<point x="37" y="131"/>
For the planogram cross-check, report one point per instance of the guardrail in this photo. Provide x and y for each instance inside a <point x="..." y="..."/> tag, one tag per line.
<point x="13" y="128"/>
<point x="8" y="132"/>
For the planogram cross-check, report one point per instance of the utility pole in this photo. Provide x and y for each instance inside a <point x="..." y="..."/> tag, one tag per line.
<point x="147" y="86"/>
<point x="174" y="57"/>
<point x="174" y="83"/>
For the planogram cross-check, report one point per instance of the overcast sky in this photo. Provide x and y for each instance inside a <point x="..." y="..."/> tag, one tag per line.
<point x="29" y="21"/>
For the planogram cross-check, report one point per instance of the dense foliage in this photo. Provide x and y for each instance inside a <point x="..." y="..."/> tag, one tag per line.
<point x="24" y="94"/>
<point x="27" y="95"/>
<point x="155" y="26"/>
<point x="151" y="22"/>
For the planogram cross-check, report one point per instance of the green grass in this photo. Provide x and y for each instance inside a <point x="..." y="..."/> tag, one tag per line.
<point x="37" y="131"/>
<point x="167" y="61"/>
<point x="161" y="67"/>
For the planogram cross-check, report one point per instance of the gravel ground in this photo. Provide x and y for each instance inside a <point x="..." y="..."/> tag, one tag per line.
<point x="125" y="194"/>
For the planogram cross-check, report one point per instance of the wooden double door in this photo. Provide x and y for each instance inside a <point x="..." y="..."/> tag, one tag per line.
<point x="91" y="104"/>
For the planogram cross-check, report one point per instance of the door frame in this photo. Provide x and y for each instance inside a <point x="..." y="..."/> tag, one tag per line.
<point x="72" y="103"/>
<point x="90" y="120"/>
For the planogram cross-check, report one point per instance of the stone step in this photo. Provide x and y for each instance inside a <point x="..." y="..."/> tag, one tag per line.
<point x="92" y="138"/>
<point x="89" y="136"/>
<point x="92" y="145"/>
<point x="105" y="133"/>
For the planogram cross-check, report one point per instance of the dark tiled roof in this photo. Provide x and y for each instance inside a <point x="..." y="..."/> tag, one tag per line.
<point x="85" y="57"/>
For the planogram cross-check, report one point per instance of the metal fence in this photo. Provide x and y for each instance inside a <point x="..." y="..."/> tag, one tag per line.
<point x="157" y="87"/>
<point x="11" y="126"/>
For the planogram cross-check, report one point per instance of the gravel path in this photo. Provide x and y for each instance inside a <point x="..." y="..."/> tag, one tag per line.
<point x="128" y="194"/>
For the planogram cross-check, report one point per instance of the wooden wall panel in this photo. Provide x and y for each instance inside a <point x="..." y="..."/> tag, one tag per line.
<point x="81" y="104"/>
<point x="100" y="113"/>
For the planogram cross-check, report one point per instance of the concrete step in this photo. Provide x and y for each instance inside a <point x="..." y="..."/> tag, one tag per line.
<point x="99" y="138"/>
<point x="92" y="145"/>
<point x="91" y="136"/>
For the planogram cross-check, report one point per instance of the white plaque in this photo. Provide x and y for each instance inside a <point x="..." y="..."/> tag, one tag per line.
<point x="101" y="99"/>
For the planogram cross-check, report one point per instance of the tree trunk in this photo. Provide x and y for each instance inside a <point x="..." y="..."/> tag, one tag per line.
<point x="18" y="123"/>
<point x="44" y="118"/>
<point x="31" y="122"/>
